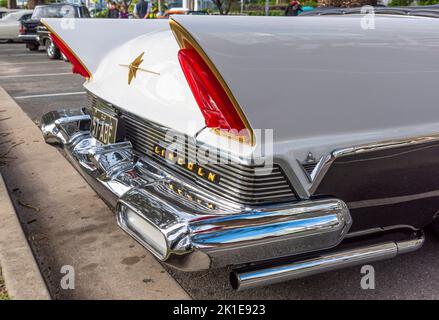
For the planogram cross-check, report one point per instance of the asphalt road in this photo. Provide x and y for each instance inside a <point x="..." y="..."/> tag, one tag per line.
<point x="36" y="82"/>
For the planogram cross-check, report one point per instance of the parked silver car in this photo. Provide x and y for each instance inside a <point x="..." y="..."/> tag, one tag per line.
<point x="10" y="24"/>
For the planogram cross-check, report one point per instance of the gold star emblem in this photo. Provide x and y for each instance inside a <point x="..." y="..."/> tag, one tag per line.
<point x="133" y="67"/>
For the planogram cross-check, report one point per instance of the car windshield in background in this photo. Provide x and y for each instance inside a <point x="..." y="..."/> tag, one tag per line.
<point x="65" y="11"/>
<point x="26" y="17"/>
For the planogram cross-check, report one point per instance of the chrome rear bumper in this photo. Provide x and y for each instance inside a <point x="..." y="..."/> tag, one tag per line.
<point x="179" y="222"/>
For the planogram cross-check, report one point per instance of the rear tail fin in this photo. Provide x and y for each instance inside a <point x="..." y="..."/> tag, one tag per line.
<point x="86" y="41"/>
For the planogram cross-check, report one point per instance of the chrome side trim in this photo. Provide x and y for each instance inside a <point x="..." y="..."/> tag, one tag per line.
<point x="326" y="161"/>
<point x="392" y="200"/>
<point x="242" y="280"/>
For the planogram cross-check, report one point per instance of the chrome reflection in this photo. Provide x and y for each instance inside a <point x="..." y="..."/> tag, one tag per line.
<point x="183" y="224"/>
<point x="242" y="280"/>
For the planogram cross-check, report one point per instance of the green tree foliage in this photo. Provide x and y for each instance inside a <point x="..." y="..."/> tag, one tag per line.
<point x="427" y="2"/>
<point x="224" y="6"/>
<point x="400" y="3"/>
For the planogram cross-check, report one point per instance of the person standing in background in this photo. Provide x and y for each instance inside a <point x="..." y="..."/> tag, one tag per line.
<point x="123" y="14"/>
<point x="293" y="9"/>
<point x="113" y="12"/>
<point x="141" y="10"/>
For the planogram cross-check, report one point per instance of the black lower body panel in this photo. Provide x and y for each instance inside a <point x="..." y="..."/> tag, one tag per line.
<point x="391" y="187"/>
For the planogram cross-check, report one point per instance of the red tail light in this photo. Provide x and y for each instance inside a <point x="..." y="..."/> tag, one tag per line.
<point x="218" y="110"/>
<point x="77" y="67"/>
<point x="21" y="30"/>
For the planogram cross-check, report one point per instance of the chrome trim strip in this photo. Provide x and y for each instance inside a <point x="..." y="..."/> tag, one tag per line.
<point x="326" y="161"/>
<point x="242" y="280"/>
<point x="392" y="200"/>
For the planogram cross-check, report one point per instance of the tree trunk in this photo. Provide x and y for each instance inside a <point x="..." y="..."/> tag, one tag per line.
<point x="219" y="4"/>
<point x="31" y="4"/>
<point x="12" y="4"/>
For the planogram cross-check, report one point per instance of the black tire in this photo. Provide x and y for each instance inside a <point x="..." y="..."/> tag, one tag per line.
<point x="52" y="50"/>
<point x="435" y="227"/>
<point x="32" y="46"/>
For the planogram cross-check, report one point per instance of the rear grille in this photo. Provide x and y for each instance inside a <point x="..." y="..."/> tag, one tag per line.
<point x="309" y="167"/>
<point x="239" y="183"/>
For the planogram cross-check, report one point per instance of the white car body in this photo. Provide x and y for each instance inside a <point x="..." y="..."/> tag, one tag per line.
<point x="276" y="55"/>
<point x="10" y="23"/>
<point x="355" y="128"/>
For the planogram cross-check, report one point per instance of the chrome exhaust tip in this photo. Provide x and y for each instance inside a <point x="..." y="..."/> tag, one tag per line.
<point x="246" y="278"/>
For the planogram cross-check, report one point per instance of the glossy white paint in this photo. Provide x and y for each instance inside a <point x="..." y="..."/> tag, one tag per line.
<point x="165" y="99"/>
<point x="93" y="39"/>
<point x="10" y="24"/>
<point x="321" y="83"/>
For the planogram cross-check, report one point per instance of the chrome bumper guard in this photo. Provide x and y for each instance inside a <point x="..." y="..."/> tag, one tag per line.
<point x="28" y="37"/>
<point x="179" y="222"/>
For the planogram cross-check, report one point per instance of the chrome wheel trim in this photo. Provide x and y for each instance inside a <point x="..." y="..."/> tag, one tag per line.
<point x="50" y="48"/>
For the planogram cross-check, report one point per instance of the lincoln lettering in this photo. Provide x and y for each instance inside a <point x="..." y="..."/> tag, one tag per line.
<point x="187" y="165"/>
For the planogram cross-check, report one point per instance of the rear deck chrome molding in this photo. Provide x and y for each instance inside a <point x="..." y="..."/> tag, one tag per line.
<point x="182" y="224"/>
<point x="242" y="280"/>
<point x="325" y="162"/>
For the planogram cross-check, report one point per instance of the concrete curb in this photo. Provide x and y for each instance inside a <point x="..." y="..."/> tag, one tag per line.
<point x="20" y="271"/>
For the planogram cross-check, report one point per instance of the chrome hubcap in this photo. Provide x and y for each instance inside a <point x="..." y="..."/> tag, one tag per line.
<point x="50" y="48"/>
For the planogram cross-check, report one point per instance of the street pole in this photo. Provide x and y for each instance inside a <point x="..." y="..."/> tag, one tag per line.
<point x="267" y="7"/>
<point x="242" y="6"/>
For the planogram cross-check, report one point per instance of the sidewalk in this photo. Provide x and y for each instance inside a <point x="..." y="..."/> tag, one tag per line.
<point x="69" y="225"/>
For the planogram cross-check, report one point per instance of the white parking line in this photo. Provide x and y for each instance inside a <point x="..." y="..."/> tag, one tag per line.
<point x="12" y="49"/>
<point x="36" y="75"/>
<point x="50" y="95"/>
<point x="22" y="54"/>
<point x="20" y="63"/>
